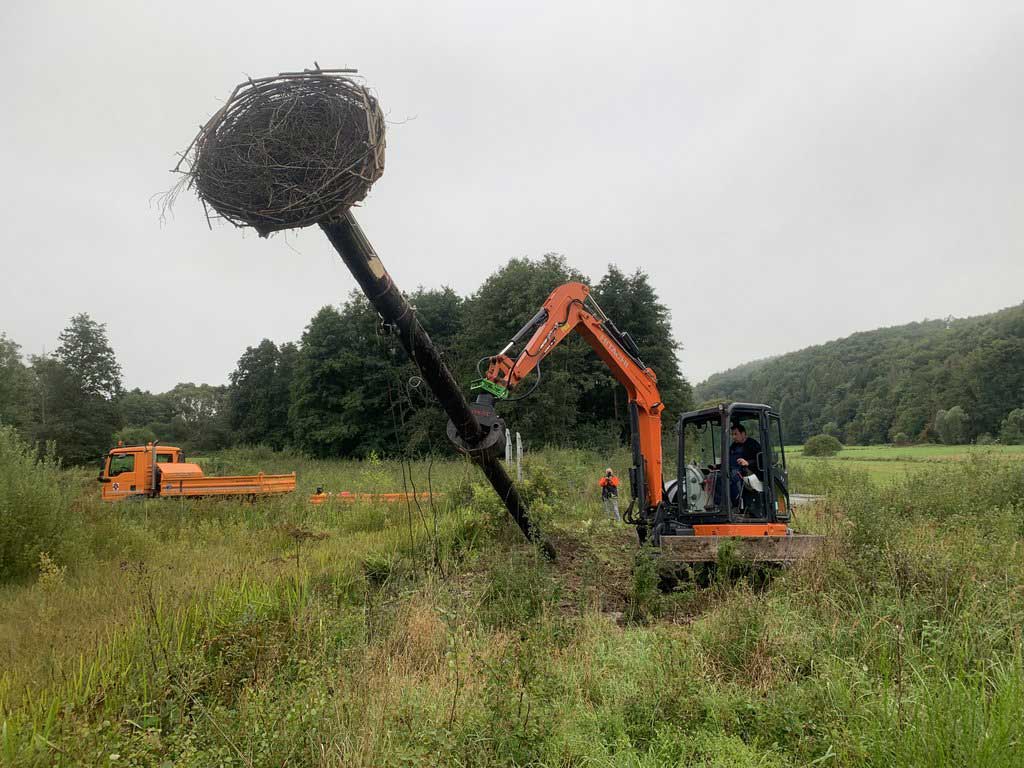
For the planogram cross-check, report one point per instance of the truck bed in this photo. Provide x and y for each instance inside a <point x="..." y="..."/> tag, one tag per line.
<point x="183" y="482"/>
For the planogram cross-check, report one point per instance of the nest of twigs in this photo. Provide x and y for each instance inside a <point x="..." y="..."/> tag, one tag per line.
<point x="288" y="151"/>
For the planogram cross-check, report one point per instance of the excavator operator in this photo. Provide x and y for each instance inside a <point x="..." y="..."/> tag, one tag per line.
<point x="743" y="454"/>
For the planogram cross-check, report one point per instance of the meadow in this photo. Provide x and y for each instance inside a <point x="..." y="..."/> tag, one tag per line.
<point x="887" y="462"/>
<point x="216" y="633"/>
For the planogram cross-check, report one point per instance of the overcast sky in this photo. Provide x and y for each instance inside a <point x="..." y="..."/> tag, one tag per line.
<point x="786" y="172"/>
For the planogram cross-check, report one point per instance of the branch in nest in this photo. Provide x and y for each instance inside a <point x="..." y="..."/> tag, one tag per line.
<point x="287" y="151"/>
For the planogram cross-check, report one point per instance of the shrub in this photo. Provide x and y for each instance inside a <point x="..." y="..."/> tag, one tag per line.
<point x="952" y="425"/>
<point x="901" y="438"/>
<point x="35" y="501"/>
<point x="135" y="435"/>
<point x="643" y="600"/>
<point x="379" y="568"/>
<point x="1011" y="431"/>
<point x="822" y="445"/>
<point x="825" y="477"/>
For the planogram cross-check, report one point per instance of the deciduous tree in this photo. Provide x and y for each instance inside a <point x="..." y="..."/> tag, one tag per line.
<point x="15" y="385"/>
<point x="952" y="425"/>
<point x="505" y="302"/>
<point x="340" y="394"/>
<point x="633" y="305"/>
<point x="258" y="396"/>
<point x="1011" y="430"/>
<point x="76" y="392"/>
<point x="86" y="352"/>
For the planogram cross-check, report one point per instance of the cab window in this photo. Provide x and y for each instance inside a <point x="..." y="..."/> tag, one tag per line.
<point x="702" y="443"/>
<point x="752" y="425"/>
<point x="778" y="448"/>
<point x="165" y="458"/>
<point x="121" y="463"/>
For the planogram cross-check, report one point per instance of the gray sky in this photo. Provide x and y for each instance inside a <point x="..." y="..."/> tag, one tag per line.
<point x="835" y="166"/>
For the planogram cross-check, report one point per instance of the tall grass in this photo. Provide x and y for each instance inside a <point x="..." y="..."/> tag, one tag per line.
<point x="227" y="633"/>
<point x="35" y="504"/>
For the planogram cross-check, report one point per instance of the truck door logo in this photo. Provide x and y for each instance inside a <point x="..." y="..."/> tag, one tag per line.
<point x="116" y="486"/>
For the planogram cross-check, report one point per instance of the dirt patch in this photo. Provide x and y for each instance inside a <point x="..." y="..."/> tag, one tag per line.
<point x="595" y="569"/>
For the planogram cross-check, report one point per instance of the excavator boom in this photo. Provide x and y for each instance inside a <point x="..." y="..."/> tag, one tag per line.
<point x="698" y="512"/>
<point x="570" y="307"/>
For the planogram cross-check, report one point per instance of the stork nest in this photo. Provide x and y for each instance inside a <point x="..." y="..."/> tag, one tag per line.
<point x="288" y="151"/>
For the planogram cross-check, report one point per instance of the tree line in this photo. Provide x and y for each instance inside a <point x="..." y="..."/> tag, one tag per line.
<point x="952" y="380"/>
<point x="346" y="388"/>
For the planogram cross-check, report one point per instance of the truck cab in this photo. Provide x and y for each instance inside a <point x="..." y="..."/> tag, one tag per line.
<point x="133" y="470"/>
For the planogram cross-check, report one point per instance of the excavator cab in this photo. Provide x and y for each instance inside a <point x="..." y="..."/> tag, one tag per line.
<point x="716" y="494"/>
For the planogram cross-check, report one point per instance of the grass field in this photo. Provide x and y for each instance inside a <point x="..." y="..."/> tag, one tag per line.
<point x="888" y="462"/>
<point x="202" y="633"/>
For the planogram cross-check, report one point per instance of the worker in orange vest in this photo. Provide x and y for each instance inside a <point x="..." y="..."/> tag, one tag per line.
<point x="610" y="494"/>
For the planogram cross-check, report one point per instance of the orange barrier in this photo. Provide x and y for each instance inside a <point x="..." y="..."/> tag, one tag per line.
<point x="349" y="497"/>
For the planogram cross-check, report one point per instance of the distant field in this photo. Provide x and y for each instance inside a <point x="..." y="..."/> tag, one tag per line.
<point x="886" y="462"/>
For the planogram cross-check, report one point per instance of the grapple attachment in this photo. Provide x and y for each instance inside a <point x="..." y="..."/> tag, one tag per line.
<point x="491" y="424"/>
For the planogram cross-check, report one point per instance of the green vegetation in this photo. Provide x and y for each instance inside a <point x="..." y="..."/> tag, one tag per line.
<point x="72" y="403"/>
<point x="347" y="388"/>
<point x="822" y="445"/>
<point x="952" y="425"/>
<point x="217" y="632"/>
<point x="35" y="507"/>
<point x="954" y="380"/>
<point x="887" y="462"/>
<point x="354" y="388"/>
<point x="199" y="633"/>
<point x="1011" y="431"/>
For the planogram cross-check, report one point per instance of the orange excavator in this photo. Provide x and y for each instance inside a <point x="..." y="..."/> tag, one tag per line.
<point x="716" y="497"/>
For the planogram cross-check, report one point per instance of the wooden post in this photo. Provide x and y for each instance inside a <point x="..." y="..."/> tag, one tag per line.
<point x="355" y="250"/>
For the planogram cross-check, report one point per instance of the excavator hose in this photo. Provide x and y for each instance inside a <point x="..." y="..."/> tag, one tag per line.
<point x="628" y="515"/>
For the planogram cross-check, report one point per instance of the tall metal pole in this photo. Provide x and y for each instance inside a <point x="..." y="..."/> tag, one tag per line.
<point x="355" y="250"/>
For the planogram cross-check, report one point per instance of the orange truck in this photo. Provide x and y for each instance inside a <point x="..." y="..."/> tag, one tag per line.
<point x="154" y="470"/>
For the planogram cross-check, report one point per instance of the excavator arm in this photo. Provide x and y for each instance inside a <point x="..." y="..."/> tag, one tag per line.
<point x="569" y="308"/>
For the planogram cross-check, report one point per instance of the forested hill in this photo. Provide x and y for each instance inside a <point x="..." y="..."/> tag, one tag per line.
<point x="890" y="384"/>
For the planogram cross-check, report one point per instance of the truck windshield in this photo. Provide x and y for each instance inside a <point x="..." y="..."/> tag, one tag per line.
<point x="121" y="462"/>
<point x="165" y="458"/>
